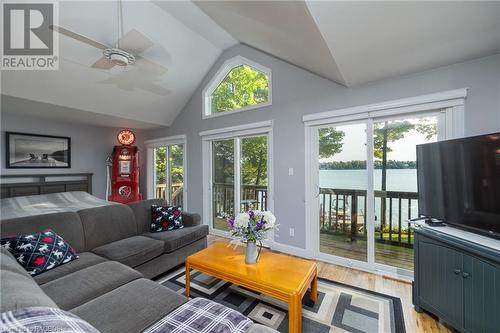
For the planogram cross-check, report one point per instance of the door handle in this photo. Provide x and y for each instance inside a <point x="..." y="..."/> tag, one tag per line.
<point x="465" y="275"/>
<point x="456" y="271"/>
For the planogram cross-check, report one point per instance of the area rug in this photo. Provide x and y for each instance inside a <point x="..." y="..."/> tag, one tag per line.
<point x="340" y="308"/>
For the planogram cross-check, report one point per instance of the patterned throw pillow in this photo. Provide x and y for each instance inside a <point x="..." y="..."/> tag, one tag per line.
<point x="39" y="252"/>
<point x="43" y="319"/>
<point x="165" y="218"/>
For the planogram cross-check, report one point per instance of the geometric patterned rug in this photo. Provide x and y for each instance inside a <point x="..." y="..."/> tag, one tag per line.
<point x="340" y="308"/>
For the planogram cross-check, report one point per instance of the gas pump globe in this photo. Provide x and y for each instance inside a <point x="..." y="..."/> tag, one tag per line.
<point x="125" y="169"/>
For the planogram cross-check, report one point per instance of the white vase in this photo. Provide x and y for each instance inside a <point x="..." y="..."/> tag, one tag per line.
<point x="251" y="254"/>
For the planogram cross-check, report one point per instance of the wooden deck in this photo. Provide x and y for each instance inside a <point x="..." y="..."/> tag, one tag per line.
<point x="341" y="246"/>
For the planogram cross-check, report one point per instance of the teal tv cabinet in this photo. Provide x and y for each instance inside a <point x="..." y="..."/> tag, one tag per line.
<point x="457" y="278"/>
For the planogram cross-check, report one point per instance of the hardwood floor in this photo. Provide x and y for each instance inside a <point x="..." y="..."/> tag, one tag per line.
<point x="415" y="322"/>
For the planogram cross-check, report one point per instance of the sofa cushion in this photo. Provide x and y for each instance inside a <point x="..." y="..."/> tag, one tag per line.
<point x="175" y="239"/>
<point x="130" y="308"/>
<point x="86" y="284"/>
<point x="106" y="224"/>
<point x="86" y="259"/>
<point x="167" y="261"/>
<point x="43" y="319"/>
<point x="165" y="218"/>
<point x="9" y="263"/>
<point x="66" y="224"/>
<point x="21" y="291"/>
<point x="39" y="252"/>
<point x="131" y="251"/>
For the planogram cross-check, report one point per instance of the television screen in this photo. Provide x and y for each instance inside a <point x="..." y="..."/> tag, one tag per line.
<point x="459" y="182"/>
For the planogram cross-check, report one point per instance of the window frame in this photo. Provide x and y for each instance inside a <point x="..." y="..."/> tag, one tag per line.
<point x="235" y="133"/>
<point x="223" y="71"/>
<point x="150" y="169"/>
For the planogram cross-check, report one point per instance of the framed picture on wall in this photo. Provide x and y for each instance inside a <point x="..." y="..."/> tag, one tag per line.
<point x="24" y="150"/>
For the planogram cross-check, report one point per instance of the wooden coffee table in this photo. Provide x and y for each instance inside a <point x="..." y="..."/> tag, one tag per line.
<point x="277" y="275"/>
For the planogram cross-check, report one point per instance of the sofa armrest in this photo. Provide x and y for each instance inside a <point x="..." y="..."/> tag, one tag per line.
<point x="190" y="219"/>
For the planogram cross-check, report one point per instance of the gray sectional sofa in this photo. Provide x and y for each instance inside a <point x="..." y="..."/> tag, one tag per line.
<point x="109" y="285"/>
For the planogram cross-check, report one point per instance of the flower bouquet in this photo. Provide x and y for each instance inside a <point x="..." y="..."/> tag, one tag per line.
<point x="251" y="227"/>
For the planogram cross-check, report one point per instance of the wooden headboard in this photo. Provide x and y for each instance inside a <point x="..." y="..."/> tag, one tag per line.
<point x="20" y="185"/>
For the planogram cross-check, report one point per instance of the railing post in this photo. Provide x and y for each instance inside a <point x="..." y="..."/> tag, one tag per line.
<point x="354" y="217"/>
<point x="399" y="219"/>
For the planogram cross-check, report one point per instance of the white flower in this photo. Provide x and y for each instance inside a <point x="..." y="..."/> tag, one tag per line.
<point x="241" y="220"/>
<point x="269" y="218"/>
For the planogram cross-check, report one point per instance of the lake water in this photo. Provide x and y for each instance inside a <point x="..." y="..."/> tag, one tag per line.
<point x="397" y="179"/>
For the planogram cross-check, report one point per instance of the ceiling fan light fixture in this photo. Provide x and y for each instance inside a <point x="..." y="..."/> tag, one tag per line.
<point x="119" y="57"/>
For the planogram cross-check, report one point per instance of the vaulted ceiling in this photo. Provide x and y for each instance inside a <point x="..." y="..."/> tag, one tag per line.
<point x="350" y="43"/>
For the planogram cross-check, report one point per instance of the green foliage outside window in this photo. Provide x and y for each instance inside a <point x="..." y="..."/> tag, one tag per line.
<point x="176" y="165"/>
<point x="243" y="86"/>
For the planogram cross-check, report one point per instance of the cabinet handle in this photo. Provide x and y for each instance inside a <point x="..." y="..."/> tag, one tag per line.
<point x="457" y="271"/>
<point x="465" y="275"/>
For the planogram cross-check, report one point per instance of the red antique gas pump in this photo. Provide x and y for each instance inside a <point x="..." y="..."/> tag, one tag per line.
<point x="125" y="170"/>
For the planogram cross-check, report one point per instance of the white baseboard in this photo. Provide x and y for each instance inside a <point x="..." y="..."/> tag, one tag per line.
<point x="289" y="249"/>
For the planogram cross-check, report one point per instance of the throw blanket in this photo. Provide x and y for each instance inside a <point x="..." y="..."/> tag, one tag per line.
<point x="201" y="315"/>
<point x="48" y="203"/>
<point x="43" y="319"/>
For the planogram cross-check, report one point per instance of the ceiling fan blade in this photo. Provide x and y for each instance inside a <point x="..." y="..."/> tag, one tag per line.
<point x="134" y="42"/>
<point x="150" y="66"/>
<point x="103" y="63"/>
<point x="81" y="38"/>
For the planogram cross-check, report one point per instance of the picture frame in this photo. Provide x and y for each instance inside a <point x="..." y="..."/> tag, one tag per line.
<point x="37" y="151"/>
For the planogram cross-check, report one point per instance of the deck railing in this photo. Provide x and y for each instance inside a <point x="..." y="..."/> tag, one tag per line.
<point x="341" y="211"/>
<point x="177" y="194"/>
<point x="252" y="196"/>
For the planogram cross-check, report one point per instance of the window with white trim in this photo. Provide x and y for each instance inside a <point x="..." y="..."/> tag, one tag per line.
<point x="239" y="85"/>
<point x="166" y="170"/>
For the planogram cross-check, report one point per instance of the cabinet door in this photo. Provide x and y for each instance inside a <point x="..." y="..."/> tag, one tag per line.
<point x="441" y="282"/>
<point x="481" y="296"/>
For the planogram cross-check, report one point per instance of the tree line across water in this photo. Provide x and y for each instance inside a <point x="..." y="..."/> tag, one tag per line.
<point x="360" y="165"/>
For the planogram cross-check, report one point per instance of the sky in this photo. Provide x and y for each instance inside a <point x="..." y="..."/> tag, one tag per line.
<point x="354" y="144"/>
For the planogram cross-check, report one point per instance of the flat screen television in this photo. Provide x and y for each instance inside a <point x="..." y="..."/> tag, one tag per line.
<point x="459" y="182"/>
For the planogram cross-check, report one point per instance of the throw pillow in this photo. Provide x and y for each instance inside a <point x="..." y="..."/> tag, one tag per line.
<point x="202" y="315"/>
<point x="43" y="319"/>
<point x="165" y="218"/>
<point x="39" y="252"/>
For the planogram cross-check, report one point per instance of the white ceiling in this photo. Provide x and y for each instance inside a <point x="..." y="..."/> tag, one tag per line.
<point x="371" y="40"/>
<point x="347" y="42"/>
<point x="354" y="42"/>
<point x="187" y="47"/>
<point x="284" y="29"/>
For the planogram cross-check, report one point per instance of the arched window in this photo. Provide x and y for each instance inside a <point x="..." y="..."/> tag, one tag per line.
<point x="239" y="85"/>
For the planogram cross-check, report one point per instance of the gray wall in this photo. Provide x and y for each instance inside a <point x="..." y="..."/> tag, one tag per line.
<point x="89" y="145"/>
<point x="297" y="92"/>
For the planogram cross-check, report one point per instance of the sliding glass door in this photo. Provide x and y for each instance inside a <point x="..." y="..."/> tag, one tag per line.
<point x="168" y="173"/>
<point x="342" y="190"/>
<point x="364" y="189"/>
<point x="395" y="185"/>
<point x="239" y="177"/>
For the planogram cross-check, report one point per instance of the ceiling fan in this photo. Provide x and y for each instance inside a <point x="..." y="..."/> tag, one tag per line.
<point x="126" y="51"/>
